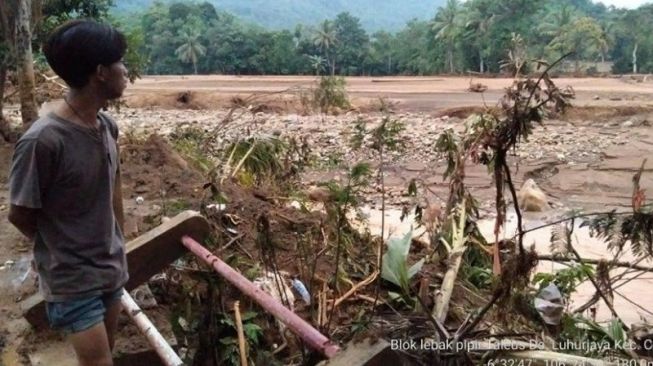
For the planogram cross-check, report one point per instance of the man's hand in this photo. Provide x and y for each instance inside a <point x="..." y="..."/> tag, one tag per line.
<point x="24" y="219"/>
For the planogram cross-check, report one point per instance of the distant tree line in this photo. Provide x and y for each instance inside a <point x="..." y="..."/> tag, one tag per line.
<point x="477" y="35"/>
<point x="484" y="36"/>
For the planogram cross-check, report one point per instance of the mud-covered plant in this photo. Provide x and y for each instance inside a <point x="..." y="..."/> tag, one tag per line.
<point x="270" y="159"/>
<point x="259" y="156"/>
<point x="456" y="151"/>
<point x="330" y="93"/>
<point x="190" y="144"/>
<point x="228" y="345"/>
<point x="491" y="135"/>
<point x="384" y="137"/>
<point x="342" y="198"/>
<point x="605" y="341"/>
<point x="634" y="229"/>
<point x="567" y="279"/>
<point x="618" y="230"/>
<point x="395" y="266"/>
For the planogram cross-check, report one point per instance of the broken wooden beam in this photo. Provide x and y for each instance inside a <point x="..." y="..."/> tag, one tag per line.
<point x="147" y="255"/>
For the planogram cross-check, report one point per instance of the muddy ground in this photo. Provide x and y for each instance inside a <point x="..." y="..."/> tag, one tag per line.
<point x="584" y="160"/>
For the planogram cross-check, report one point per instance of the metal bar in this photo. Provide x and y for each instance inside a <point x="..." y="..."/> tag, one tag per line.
<point x="296" y="324"/>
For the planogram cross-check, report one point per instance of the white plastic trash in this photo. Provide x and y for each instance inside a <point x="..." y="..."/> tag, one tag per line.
<point x="550" y="304"/>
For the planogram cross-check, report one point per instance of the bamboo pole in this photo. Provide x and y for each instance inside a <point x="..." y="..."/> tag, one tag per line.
<point x="241" y="335"/>
<point x="156" y="340"/>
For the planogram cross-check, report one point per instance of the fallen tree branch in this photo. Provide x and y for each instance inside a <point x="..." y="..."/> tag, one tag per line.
<point x="591" y="302"/>
<point x="357" y="287"/>
<point x="633" y="303"/>
<point x="589" y="275"/>
<point x="465" y="329"/>
<point x="553" y="258"/>
<point x="609" y="304"/>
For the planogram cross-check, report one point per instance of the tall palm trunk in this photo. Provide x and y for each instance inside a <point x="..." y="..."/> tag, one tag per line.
<point x="482" y="64"/>
<point x="389" y="64"/>
<point x="635" y="59"/>
<point x="25" y="63"/>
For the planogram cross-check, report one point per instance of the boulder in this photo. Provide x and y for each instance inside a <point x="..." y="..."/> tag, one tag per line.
<point x="532" y="198"/>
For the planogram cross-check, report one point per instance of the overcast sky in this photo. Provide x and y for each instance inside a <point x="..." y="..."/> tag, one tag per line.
<point x="630" y="4"/>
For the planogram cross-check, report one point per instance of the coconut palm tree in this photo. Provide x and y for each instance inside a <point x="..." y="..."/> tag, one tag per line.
<point x="447" y="27"/>
<point x="317" y="63"/>
<point x="477" y="24"/>
<point x="191" y="49"/>
<point x="325" y="38"/>
<point x="557" y="21"/>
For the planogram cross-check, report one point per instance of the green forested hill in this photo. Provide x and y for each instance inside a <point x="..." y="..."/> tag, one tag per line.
<point x="390" y="15"/>
<point x="380" y="37"/>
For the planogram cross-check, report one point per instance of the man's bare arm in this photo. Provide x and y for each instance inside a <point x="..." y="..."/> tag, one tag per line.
<point x="24" y="219"/>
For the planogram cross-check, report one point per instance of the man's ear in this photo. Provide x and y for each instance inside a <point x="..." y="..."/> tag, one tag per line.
<point x="101" y="73"/>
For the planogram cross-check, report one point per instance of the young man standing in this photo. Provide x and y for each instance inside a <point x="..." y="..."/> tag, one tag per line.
<point x="64" y="195"/>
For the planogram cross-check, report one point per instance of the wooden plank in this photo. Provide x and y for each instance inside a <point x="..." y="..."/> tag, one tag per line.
<point x="153" y="251"/>
<point x="147" y="255"/>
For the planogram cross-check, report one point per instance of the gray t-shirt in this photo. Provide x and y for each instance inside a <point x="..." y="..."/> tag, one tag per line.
<point x="67" y="172"/>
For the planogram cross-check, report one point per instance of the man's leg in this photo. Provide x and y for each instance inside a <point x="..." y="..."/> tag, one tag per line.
<point x="111" y="321"/>
<point x="92" y="346"/>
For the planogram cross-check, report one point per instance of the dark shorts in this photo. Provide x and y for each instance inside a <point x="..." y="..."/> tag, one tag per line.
<point x="78" y="315"/>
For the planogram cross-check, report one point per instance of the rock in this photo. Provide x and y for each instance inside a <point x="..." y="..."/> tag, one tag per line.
<point x="627" y="124"/>
<point x="319" y="194"/>
<point x="415" y="166"/>
<point x="561" y="157"/>
<point x="531" y="197"/>
<point x="596" y="97"/>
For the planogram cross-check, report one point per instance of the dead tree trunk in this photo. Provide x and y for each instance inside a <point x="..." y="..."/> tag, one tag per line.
<point x="3" y="79"/>
<point x="25" y="62"/>
<point x="5" y="130"/>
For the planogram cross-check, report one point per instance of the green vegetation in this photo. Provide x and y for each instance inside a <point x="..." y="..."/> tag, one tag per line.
<point x="458" y="37"/>
<point x="395" y="266"/>
<point x="410" y="38"/>
<point x="286" y="14"/>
